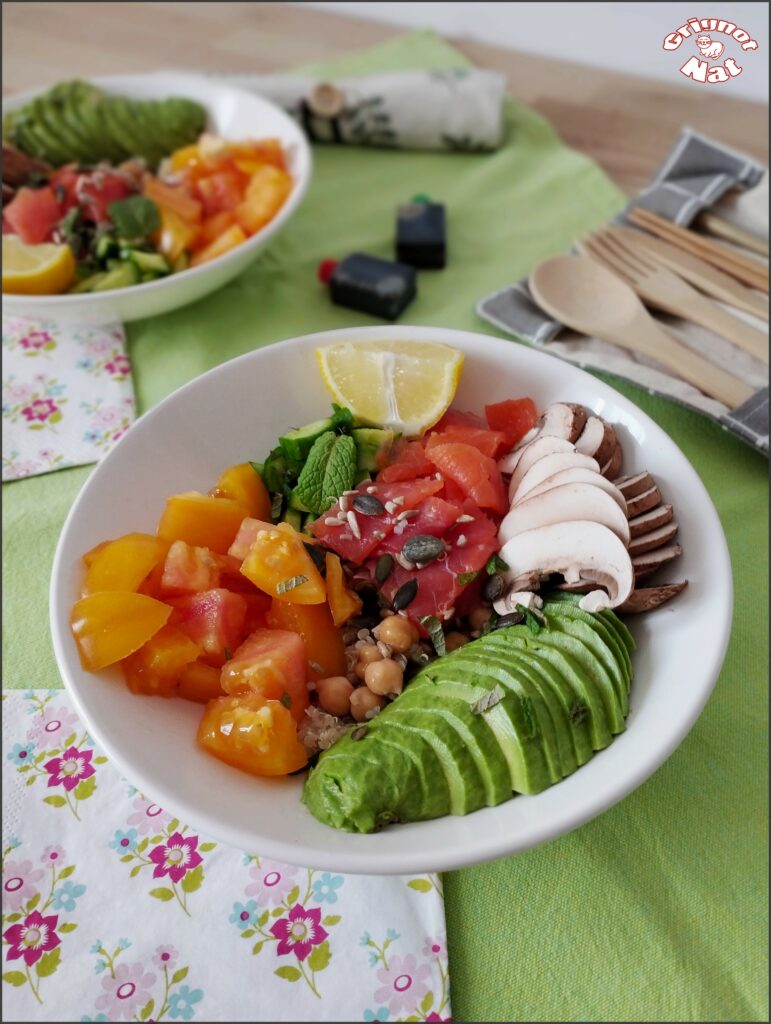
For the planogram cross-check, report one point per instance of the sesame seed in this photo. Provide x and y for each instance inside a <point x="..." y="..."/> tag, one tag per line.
<point x="384" y="649"/>
<point x="353" y="522"/>
<point x="332" y="521"/>
<point x="347" y="494"/>
<point x="378" y="535"/>
<point x="408" y="513"/>
<point x="405" y="563"/>
<point x="363" y="634"/>
<point x="448" y="614"/>
<point x="465" y="519"/>
<point x="372" y="490"/>
<point x="400" y="527"/>
<point x="438" y="476"/>
<point x="461" y="541"/>
<point x="399" y="500"/>
<point x="390" y="507"/>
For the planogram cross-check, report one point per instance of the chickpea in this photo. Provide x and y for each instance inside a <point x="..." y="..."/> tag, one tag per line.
<point x="367" y="655"/>
<point x="384" y="677"/>
<point x="479" y="617"/>
<point x="334" y="694"/>
<point x="398" y="633"/>
<point x="455" y="640"/>
<point x="364" y="700"/>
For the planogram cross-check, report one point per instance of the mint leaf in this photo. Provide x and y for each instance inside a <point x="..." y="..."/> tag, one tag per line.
<point x="342" y="419"/>
<point x="434" y="629"/>
<point x="495" y="564"/>
<point x="465" y="578"/>
<point x="328" y="471"/>
<point x="532" y="622"/>
<point x="135" y="217"/>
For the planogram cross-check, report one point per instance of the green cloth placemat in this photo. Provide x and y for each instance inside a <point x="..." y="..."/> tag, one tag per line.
<point x="657" y="910"/>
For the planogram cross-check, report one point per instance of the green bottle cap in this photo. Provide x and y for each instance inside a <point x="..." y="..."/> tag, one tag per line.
<point x="421" y="197"/>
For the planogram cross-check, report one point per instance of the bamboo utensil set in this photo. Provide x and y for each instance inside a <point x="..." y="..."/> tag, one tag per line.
<point x="670" y="268"/>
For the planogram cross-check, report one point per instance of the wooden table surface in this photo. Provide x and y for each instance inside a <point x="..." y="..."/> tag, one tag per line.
<point x="626" y="123"/>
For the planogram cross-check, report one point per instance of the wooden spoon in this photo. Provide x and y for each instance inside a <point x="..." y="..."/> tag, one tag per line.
<point x="591" y="299"/>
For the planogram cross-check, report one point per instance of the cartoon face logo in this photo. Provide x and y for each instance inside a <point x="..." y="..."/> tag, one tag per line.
<point x="708" y="48"/>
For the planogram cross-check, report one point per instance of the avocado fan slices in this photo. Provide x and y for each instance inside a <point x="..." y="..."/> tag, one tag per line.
<point x="512" y="712"/>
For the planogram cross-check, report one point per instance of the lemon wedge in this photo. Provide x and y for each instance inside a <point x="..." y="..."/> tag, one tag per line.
<point x="36" y="269"/>
<point x="405" y="385"/>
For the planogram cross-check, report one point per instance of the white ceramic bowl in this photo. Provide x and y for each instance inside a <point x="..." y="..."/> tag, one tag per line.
<point x="235" y="412"/>
<point x="234" y="114"/>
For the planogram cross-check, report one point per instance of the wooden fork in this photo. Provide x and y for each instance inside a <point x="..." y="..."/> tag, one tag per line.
<point x="663" y="289"/>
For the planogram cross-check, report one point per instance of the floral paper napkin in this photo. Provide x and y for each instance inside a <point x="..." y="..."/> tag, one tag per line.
<point x="67" y="395"/>
<point x="115" y="910"/>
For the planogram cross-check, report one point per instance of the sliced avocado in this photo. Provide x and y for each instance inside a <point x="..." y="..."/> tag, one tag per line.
<point x="89" y="107"/>
<point x="25" y="137"/>
<point x="472" y="733"/>
<point x="606" y="621"/>
<point x="533" y="722"/>
<point x="298" y="442"/>
<point x="558" y="725"/>
<point x="561" y="699"/>
<point x="50" y="122"/>
<point x="433" y="795"/>
<point x="600" y="640"/>
<point x="122" y="276"/>
<point x="88" y="284"/>
<point x="121" y="126"/>
<point x="370" y="441"/>
<point x="60" y="99"/>
<point x="181" y="120"/>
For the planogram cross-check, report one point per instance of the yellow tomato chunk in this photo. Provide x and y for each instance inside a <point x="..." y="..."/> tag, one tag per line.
<point x="113" y="624"/>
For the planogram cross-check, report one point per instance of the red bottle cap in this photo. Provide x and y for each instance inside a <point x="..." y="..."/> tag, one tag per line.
<point x="326" y="270"/>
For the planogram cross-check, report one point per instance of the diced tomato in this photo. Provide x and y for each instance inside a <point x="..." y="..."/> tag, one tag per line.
<point x="324" y="647"/>
<point x="221" y="191"/>
<point x="406" y="495"/>
<point x="457" y="418"/>
<point x="213" y="226"/>
<point x="244" y="485"/>
<point x="124" y="563"/>
<point x="155" y="669"/>
<point x="344" y="603"/>
<point x="200" y="682"/>
<point x="514" y="417"/>
<point x="113" y="624"/>
<point x="440" y="592"/>
<point x="278" y="563"/>
<point x="229" y="239"/>
<point x="271" y="663"/>
<point x="91" y="191"/>
<point x="257" y="606"/>
<point x="213" y="619"/>
<point x="176" y="235"/>
<point x="201" y="520"/>
<point x="489" y="442"/>
<point x="435" y="517"/>
<point x="408" y="463"/>
<point x="266" y="193"/>
<point x="252" y="734"/>
<point x="32" y="214"/>
<point x="246" y="536"/>
<point x="258" y="151"/>
<point x="453" y="492"/>
<point x="476" y="473"/>
<point x="189" y="570"/>
<point x="173" y="197"/>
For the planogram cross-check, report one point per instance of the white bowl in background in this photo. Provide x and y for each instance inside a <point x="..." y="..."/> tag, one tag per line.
<point x="236" y="412"/>
<point x="232" y="113"/>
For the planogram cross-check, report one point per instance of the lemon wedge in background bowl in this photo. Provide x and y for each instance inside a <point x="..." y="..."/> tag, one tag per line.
<point x="404" y="385"/>
<point x="44" y="269"/>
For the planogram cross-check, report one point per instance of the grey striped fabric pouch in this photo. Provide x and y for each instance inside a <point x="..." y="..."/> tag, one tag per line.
<point x="698" y="174"/>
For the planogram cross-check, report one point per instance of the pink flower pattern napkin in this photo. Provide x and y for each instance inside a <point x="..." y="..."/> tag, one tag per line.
<point x="67" y="395"/>
<point x="113" y="909"/>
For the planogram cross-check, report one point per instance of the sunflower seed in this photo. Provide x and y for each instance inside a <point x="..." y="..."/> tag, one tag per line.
<point x="405" y="595"/>
<point x="353" y="522"/>
<point x="384" y="649"/>
<point x="368" y="505"/>
<point x="423" y="548"/>
<point x="465" y="519"/>
<point x="404" y="562"/>
<point x="399" y="500"/>
<point x="333" y="521"/>
<point x="390" y="507"/>
<point x="408" y="513"/>
<point x="372" y="490"/>
<point x="461" y="541"/>
<point x="344" y="503"/>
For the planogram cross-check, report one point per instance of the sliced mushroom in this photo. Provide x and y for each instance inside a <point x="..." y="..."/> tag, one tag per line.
<point x="561" y="505"/>
<point x="653" y="539"/>
<point x="579" y="475"/>
<point x="548" y="466"/>
<point x="643" y="502"/>
<point x="646" y="598"/>
<point x="561" y="419"/>
<point x="580" y="550"/>
<point x="649" y="521"/>
<point x="631" y="486"/>
<point x="526" y="457"/>
<point x="647" y="564"/>
<point x="598" y="439"/>
<point x="508" y="603"/>
<point x="611" y="468"/>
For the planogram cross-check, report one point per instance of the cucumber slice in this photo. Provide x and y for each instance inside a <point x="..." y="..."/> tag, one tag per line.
<point x="150" y="262"/>
<point x="122" y="276"/>
<point x="297" y="443"/>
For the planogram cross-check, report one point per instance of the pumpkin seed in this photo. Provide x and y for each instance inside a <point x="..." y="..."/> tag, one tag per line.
<point x="423" y="548"/>
<point x="318" y="556"/>
<point x="405" y="595"/>
<point x="368" y="505"/>
<point x="512" y="619"/>
<point x="493" y="588"/>
<point x="384" y="568"/>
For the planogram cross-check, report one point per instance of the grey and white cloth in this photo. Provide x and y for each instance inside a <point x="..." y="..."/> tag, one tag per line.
<point x="456" y="109"/>
<point x="698" y="174"/>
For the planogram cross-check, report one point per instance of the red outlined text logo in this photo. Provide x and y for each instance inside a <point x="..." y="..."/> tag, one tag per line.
<point x="713" y="39"/>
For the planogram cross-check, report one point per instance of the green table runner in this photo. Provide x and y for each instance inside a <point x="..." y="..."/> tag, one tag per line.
<point x="657" y="911"/>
